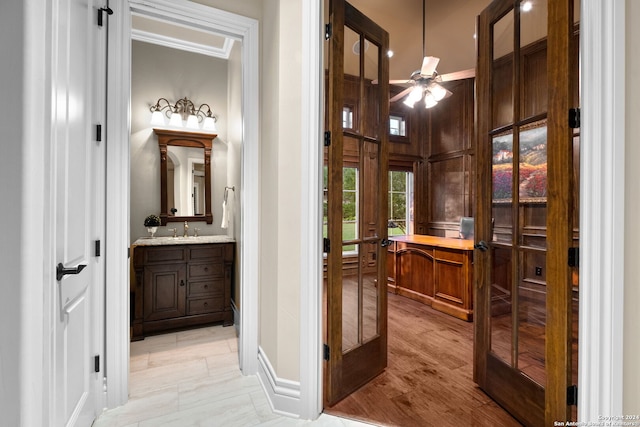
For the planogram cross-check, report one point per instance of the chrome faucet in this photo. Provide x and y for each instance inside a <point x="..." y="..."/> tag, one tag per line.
<point x="186" y="229"/>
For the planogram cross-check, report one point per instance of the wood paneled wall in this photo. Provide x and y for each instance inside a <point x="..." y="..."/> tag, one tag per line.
<point x="439" y="146"/>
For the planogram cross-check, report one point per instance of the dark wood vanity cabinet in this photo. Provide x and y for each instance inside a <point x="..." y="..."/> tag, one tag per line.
<point x="179" y="286"/>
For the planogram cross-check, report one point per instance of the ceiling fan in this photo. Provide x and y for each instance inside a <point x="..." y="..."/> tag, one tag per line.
<point x="424" y="83"/>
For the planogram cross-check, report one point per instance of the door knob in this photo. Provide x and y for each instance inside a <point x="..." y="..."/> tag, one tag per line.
<point x="482" y="245"/>
<point x="61" y="271"/>
<point x="385" y="242"/>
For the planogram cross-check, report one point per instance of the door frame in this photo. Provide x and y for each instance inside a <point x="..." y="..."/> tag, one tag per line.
<point x="118" y="163"/>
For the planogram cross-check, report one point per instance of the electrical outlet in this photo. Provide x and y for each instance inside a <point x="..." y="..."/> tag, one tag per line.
<point x="538" y="271"/>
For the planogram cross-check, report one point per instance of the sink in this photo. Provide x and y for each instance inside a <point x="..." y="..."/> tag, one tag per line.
<point x="191" y="240"/>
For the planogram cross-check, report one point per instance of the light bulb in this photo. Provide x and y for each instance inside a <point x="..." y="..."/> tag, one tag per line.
<point x="157" y="118"/>
<point x="209" y="124"/>
<point x="414" y="96"/>
<point x="429" y="100"/>
<point x="175" y="120"/>
<point x="192" y="122"/>
<point x="437" y="91"/>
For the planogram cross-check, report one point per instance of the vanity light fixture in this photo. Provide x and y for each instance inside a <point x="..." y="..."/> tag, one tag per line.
<point x="183" y="114"/>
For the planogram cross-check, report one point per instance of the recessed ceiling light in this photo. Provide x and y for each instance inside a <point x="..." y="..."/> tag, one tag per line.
<point x="527" y="6"/>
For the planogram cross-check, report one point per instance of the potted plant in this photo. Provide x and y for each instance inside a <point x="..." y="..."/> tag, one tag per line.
<point x="152" y="222"/>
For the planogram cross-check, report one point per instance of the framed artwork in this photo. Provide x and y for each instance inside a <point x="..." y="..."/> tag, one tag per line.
<point x="532" y="164"/>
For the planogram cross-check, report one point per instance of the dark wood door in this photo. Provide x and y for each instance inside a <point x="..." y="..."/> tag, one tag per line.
<point x="525" y="208"/>
<point x="165" y="291"/>
<point x="356" y="202"/>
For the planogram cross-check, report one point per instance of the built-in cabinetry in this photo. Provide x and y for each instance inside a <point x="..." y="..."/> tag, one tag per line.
<point x="434" y="270"/>
<point x="179" y="285"/>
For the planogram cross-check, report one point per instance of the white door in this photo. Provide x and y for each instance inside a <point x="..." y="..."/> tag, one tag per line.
<point x="77" y="199"/>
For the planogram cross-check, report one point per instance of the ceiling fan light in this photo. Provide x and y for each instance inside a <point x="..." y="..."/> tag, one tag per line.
<point x="414" y="96"/>
<point x="437" y="91"/>
<point x="409" y="102"/>
<point x="429" y="100"/>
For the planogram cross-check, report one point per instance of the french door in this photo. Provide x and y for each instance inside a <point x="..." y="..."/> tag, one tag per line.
<point x="526" y="208"/>
<point x="356" y="163"/>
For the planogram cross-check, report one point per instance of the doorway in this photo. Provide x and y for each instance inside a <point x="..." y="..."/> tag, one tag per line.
<point x="244" y="31"/>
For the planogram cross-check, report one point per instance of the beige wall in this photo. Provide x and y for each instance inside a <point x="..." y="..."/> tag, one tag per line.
<point x="280" y="186"/>
<point x="631" y="373"/>
<point x="279" y="227"/>
<point x="234" y="151"/>
<point x="159" y="71"/>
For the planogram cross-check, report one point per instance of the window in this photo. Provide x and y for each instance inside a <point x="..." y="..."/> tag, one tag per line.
<point x="349" y="206"/>
<point x="347" y="117"/>
<point x="400" y="203"/>
<point x="397" y="125"/>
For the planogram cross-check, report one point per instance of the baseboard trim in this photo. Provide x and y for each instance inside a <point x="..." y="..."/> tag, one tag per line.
<point x="236" y="317"/>
<point x="283" y="395"/>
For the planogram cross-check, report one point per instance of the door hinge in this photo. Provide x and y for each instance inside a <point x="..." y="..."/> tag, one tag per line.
<point x="326" y="352"/>
<point x="98" y="133"/>
<point x="96" y="363"/>
<point x="96" y="248"/>
<point x="100" y="11"/>
<point x="574" y="118"/>
<point x="326" y="245"/>
<point x="572" y="395"/>
<point x="574" y="257"/>
<point x="328" y="31"/>
<point x="327" y="138"/>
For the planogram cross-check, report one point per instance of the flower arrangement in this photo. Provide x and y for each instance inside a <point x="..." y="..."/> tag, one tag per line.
<point x="152" y="221"/>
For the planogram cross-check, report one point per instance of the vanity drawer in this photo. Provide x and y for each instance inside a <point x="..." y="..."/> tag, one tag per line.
<point x="164" y="254"/>
<point x="206" y="288"/>
<point x="205" y="305"/>
<point x="199" y="252"/>
<point x="197" y="271"/>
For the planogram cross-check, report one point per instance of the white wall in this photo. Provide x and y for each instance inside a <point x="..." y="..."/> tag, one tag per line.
<point x="159" y="71"/>
<point x="631" y="403"/>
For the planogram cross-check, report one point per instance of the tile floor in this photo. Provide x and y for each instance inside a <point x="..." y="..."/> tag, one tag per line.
<point x="192" y="378"/>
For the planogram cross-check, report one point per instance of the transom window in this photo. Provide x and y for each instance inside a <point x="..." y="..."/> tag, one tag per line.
<point x="397" y="125"/>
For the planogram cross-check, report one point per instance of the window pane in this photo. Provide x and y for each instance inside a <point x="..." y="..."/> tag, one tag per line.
<point x="400" y="203"/>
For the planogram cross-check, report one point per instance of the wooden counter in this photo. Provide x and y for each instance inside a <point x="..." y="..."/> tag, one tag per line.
<point x="437" y="271"/>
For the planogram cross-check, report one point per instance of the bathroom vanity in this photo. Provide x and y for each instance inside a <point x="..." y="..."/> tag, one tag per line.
<point x="181" y="282"/>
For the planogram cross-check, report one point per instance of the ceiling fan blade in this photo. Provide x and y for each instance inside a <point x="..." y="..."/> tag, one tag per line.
<point x="458" y="75"/>
<point x="400" y="82"/>
<point x="401" y="94"/>
<point x="429" y="64"/>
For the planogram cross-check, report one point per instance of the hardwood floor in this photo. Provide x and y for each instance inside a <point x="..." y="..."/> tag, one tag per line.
<point x="429" y="378"/>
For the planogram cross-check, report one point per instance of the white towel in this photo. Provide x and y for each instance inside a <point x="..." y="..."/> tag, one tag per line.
<point x="225" y="219"/>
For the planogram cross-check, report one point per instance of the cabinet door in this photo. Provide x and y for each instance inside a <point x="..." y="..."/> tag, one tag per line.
<point x="165" y="291"/>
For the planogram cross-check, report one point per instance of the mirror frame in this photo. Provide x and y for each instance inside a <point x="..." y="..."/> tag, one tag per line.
<point x="179" y="138"/>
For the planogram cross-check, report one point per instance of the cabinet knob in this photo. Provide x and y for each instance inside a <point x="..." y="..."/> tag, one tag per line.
<point x="206" y="286"/>
<point x="182" y="282"/>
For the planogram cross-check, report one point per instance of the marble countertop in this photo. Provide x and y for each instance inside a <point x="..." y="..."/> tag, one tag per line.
<point x="191" y="240"/>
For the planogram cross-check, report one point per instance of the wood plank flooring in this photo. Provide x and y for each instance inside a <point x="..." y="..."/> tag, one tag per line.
<point x="429" y="380"/>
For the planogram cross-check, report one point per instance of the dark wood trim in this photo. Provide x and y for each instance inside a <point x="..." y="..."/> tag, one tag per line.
<point x="560" y="189"/>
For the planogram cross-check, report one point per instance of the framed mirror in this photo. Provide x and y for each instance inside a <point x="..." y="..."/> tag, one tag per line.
<point x="185" y="175"/>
